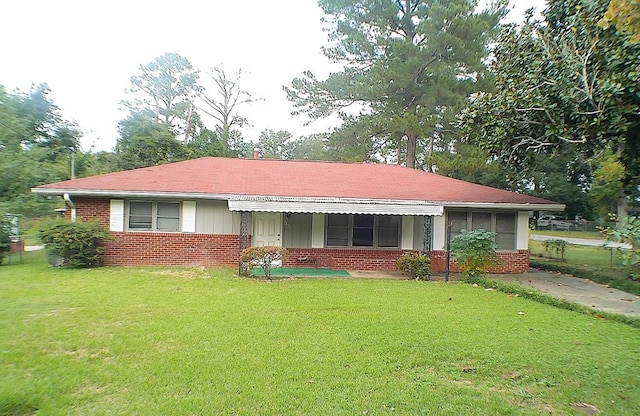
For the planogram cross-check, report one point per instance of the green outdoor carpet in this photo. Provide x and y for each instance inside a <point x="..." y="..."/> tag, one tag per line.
<point x="300" y="272"/>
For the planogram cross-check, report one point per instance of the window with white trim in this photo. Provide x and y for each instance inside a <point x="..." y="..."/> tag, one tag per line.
<point x="153" y="216"/>
<point x="363" y="230"/>
<point x="503" y="224"/>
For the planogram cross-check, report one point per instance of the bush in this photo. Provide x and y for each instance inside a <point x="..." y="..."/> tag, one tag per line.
<point x="475" y="252"/>
<point x="415" y="265"/>
<point x="264" y="257"/>
<point x="5" y="237"/>
<point x="79" y="243"/>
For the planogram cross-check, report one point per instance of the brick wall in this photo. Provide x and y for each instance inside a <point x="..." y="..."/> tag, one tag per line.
<point x="146" y="248"/>
<point x="345" y="259"/>
<point x="172" y="249"/>
<point x="512" y="262"/>
<point x="91" y="208"/>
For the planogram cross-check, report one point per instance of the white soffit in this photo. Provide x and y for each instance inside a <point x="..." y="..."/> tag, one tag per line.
<point x="337" y="207"/>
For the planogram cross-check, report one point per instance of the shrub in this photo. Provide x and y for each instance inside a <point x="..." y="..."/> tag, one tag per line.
<point x="264" y="257"/>
<point x="415" y="265"/>
<point x="475" y="252"/>
<point x="5" y="237"/>
<point x="79" y="243"/>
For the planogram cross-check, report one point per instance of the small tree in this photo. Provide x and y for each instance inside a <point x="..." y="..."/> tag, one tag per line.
<point x="264" y="257"/>
<point x="559" y="246"/>
<point x="627" y="231"/>
<point x="79" y="243"/>
<point x="475" y="252"/>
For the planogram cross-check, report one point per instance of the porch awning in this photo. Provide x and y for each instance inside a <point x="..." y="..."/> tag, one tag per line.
<point x="334" y="206"/>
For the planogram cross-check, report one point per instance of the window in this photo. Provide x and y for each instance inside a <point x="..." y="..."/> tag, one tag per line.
<point x="360" y="230"/>
<point x="501" y="223"/>
<point x="154" y="216"/>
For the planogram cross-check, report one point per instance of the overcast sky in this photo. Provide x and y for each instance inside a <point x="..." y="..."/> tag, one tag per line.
<point x="86" y="51"/>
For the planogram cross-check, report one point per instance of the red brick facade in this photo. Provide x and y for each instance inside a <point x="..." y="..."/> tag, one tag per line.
<point x="173" y="249"/>
<point x="345" y="259"/>
<point x="186" y="249"/>
<point x="512" y="262"/>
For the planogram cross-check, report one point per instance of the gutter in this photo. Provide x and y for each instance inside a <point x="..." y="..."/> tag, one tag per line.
<point x="258" y="198"/>
<point x="69" y="202"/>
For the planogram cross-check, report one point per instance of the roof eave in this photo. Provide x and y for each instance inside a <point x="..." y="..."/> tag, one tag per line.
<point x="551" y="206"/>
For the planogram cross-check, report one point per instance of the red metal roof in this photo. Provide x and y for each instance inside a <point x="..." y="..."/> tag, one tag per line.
<point x="265" y="177"/>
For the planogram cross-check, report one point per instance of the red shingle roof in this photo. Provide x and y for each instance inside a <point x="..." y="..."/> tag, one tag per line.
<point x="263" y="177"/>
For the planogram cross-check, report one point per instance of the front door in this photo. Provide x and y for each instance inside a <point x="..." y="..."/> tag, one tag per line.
<point x="267" y="229"/>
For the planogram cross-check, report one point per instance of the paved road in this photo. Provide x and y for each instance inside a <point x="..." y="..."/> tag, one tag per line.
<point x="579" y="241"/>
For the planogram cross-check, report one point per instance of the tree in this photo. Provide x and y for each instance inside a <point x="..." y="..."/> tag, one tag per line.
<point x="224" y="102"/>
<point x="275" y="144"/>
<point x="408" y="66"/>
<point x="36" y="147"/>
<point x="143" y="142"/>
<point x="560" y="84"/>
<point x="167" y="86"/>
<point x="625" y="15"/>
<point x="607" y="189"/>
<point x="312" y="147"/>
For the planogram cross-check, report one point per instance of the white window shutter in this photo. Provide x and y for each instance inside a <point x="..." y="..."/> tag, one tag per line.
<point x="188" y="216"/>
<point x="116" y="215"/>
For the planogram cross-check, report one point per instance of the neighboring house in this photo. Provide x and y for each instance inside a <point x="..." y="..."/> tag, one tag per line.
<point x="336" y="215"/>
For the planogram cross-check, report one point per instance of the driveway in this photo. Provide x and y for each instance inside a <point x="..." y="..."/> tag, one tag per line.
<point x="581" y="291"/>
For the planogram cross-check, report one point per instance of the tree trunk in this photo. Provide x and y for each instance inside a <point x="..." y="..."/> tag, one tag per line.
<point x="412" y="140"/>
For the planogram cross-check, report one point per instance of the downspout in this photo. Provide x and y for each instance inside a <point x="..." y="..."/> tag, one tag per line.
<point x="69" y="202"/>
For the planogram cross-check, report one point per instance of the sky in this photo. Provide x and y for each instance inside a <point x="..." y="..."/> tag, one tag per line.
<point x="87" y="51"/>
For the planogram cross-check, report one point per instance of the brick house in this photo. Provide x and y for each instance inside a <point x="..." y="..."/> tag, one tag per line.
<point x="336" y="215"/>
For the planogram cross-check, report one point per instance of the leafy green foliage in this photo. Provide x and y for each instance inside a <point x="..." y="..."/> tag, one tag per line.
<point x="560" y="84"/>
<point x="627" y="230"/>
<point x="79" y="243"/>
<point x="625" y="15"/>
<point x="5" y="237"/>
<point x="408" y="65"/>
<point x="144" y="142"/>
<point x="558" y="246"/>
<point x="265" y="257"/>
<point x="167" y="87"/>
<point x="415" y="265"/>
<point x="475" y="251"/>
<point x="36" y="147"/>
<point x="275" y="144"/>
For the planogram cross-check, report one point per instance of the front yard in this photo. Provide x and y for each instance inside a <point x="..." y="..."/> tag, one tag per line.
<point x="197" y="341"/>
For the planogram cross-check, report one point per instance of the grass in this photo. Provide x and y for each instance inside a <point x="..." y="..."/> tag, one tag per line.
<point x="174" y="341"/>
<point x="280" y="272"/>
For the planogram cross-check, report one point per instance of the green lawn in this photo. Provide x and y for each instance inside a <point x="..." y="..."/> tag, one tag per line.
<point x="159" y="341"/>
